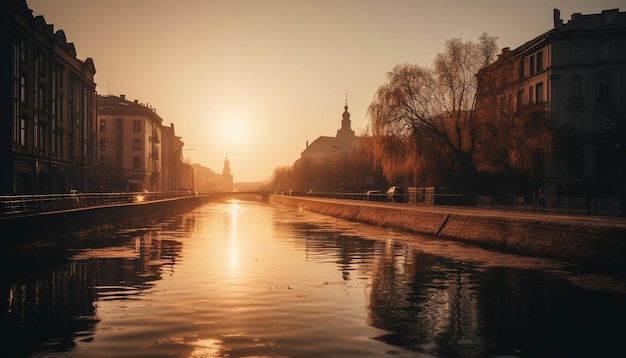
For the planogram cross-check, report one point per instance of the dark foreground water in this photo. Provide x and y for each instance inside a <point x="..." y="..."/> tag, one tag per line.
<point x="245" y="279"/>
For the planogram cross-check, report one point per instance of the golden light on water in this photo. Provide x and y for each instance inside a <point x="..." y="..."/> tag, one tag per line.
<point x="234" y="211"/>
<point x="208" y="348"/>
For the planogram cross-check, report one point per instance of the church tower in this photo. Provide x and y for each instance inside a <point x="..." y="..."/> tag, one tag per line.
<point x="227" y="177"/>
<point x="346" y="123"/>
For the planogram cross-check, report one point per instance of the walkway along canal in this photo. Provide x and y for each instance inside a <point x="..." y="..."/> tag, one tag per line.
<point x="597" y="241"/>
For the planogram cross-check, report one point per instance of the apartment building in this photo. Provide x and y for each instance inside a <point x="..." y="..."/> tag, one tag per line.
<point x="47" y="107"/>
<point x="135" y="151"/>
<point x="575" y="74"/>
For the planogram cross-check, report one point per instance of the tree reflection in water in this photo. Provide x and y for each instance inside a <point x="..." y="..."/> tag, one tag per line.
<point x="245" y="279"/>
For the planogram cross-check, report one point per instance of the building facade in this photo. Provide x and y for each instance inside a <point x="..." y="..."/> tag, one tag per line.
<point x="575" y="74"/>
<point x="47" y="107"/>
<point x="135" y="152"/>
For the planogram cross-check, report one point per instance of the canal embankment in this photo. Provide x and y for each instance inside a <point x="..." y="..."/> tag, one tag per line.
<point x="41" y="228"/>
<point x="580" y="240"/>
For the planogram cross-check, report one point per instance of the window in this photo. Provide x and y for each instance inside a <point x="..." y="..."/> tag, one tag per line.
<point x="576" y="122"/>
<point x="604" y="124"/>
<point x="576" y="57"/>
<point x="22" y="89"/>
<point x="136" y="162"/>
<point x="70" y="146"/>
<point x="531" y="94"/>
<point x="576" y="90"/>
<point x="36" y="137"/>
<point x="54" y="138"/>
<point x="42" y="137"/>
<point x="539" y="93"/>
<point x="22" y="49"/>
<point x="604" y="89"/>
<point x="136" y="125"/>
<point x="53" y="94"/>
<point x="539" y="61"/>
<point x="137" y="144"/>
<point x="22" y="139"/>
<point x="70" y="115"/>
<point x="102" y="125"/>
<point x="535" y="63"/>
<point x="41" y="98"/>
<point x="60" y="110"/>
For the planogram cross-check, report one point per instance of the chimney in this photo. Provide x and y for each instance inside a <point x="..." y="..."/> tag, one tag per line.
<point x="557" y="18"/>
<point x="505" y="52"/>
<point x="123" y="97"/>
<point x="610" y="15"/>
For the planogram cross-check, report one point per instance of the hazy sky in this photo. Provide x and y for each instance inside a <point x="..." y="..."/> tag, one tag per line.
<point x="254" y="80"/>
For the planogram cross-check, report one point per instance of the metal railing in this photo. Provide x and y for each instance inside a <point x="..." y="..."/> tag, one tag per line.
<point x="600" y="206"/>
<point x="32" y="204"/>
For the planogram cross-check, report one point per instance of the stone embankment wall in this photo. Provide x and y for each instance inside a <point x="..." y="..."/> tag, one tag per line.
<point x="24" y="230"/>
<point x="575" y="242"/>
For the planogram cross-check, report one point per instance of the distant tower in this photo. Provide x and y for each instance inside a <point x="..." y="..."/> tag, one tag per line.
<point x="346" y="130"/>
<point x="226" y="170"/>
<point x="227" y="177"/>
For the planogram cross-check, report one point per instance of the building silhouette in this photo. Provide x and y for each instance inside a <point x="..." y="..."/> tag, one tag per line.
<point x="325" y="146"/>
<point x="325" y="163"/>
<point x="47" y="106"/>
<point x="227" y="177"/>
<point x="574" y="74"/>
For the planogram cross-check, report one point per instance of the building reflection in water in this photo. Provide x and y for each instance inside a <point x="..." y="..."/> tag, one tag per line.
<point x="245" y="267"/>
<point x="451" y="304"/>
<point x="421" y="302"/>
<point x="54" y="307"/>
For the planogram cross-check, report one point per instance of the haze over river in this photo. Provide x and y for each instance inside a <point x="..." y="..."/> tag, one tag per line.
<point x="247" y="279"/>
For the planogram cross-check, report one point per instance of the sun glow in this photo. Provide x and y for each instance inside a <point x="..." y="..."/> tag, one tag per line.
<point x="233" y="131"/>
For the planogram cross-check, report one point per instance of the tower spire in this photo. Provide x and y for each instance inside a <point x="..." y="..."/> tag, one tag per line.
<point x="345" y="123"/>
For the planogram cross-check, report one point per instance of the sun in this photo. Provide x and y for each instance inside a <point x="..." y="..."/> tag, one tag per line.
<point x="233" y="131"/>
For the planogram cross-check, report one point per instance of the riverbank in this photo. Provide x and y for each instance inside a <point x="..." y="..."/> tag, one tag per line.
<point x="39" y="229"/>
<point x="581" y="240"/>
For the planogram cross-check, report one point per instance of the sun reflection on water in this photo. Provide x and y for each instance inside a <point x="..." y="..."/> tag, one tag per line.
<point x="234" y="210"/>
<point x="207" y="348"/>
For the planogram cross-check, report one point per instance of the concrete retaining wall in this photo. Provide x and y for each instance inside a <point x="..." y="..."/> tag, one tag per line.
<point x="23" y="230"/>
<point x="574" y="242"/>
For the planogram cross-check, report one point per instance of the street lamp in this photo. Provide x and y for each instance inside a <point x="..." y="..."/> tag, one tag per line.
<point x="345" y="170"/>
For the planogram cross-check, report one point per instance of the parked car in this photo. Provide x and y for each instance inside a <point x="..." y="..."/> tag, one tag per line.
<point x="375" y="195"/>
<point x="395" y="194"/>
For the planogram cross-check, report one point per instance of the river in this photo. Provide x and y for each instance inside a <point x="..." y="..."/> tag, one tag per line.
<point x="247" y="279"/>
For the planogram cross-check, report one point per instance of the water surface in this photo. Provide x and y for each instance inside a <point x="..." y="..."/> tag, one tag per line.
<point x="245" y="279"/>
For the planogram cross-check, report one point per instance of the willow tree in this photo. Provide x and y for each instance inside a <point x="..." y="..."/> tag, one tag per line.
<point x="423" y="118"/>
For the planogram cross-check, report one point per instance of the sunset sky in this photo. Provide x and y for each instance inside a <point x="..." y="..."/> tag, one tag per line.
<point x="255" y="80"/>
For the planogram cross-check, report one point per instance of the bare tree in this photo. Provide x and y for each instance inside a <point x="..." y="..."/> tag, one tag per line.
<point x="423" y="118"/>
